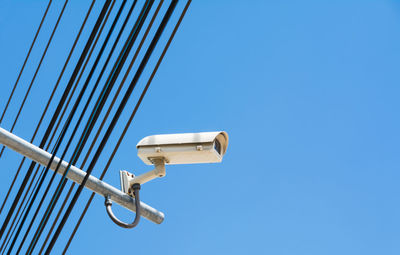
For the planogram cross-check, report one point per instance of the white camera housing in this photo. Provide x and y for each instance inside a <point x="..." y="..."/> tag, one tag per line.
<point x="187" y="148"/>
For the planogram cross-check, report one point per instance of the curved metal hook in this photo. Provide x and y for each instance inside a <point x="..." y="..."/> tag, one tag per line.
<point x="108" y="204"/>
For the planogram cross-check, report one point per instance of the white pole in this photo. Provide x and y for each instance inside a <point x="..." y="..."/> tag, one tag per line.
<point x="75" y="174"/>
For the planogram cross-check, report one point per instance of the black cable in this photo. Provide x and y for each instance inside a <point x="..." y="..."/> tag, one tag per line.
<point x="26" y="59"/>
<point x="35" y="173"/>
<point x="57" y="217"/>
<point x="57" y="83"/>
<point x="95" y="113"/>
<point x="26" y="195"/>
<point x="111" y="81"/>
<point x="77" y="79"/>
<point x="37" y="181"/>
<point x="61" y="186"/>
<point x="69" y="120"/>
<point x="114" y="121"/>
<point x="69" y="99"/>
<point x="48" y="102"/>
<point x="25" y="180"/>
<point x="12" y="226"/>
<point x="94" y="140"/>
<point x="47" y="148"/>
<point x="36" y="72"/>
<point x="37" y="169"/>
<point x="56" y="113"/>
<point x="121" y="84"/>
<point x="136" y="31"/>
<point x="19" y="168"/>
<point x="127" y="125"/>
<point x="58" y="142"/>
<point x="12" y="229"/>
<point x="120" y="63"/>
<point x="98" y="130"/>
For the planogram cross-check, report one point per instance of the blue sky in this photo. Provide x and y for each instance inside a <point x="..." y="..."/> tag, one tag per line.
<point x="309" y="94"/>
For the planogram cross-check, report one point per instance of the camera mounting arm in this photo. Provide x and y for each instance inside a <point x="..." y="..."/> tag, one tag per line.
<point x="128" y="179"/>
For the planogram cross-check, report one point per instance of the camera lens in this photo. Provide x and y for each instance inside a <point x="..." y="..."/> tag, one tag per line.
<point x="217" y="146"/>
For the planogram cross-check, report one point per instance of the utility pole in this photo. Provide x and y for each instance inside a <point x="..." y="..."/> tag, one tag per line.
<point x="75" y="174"/>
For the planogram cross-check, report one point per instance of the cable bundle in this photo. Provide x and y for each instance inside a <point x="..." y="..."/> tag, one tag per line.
<point x="77" y="95"/>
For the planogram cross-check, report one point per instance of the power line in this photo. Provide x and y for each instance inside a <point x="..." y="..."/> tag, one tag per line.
<point x="36" y="72"/>
<point x="120" y="63"/>
<point x="106" y="116"/>
<point x="127" y="125"/>
<point x="26" y="59"/>
<point x="55" y="197"/>
<point x="114" y="121"/>
<point x="49" y="101"/>
<point x="91" y="122"/>
<point x="59" y="142"/>
<point x="101" y="126"/>
<point x="56" y="113"/>
<point x="13" y="227"/>
<point x="110" y="81"/>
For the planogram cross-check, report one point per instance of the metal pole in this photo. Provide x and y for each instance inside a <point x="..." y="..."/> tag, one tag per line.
<point x="75" y="174"/>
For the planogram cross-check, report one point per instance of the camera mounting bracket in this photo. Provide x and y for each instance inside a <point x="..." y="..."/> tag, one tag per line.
<point x="128" y="179"/>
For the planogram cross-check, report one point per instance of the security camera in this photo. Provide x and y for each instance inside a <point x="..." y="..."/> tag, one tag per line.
<point x="159" y="150"/>
<point x="188" y="148"/>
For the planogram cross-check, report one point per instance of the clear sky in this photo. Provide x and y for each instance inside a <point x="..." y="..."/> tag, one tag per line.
<point x="309" y="94"/>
